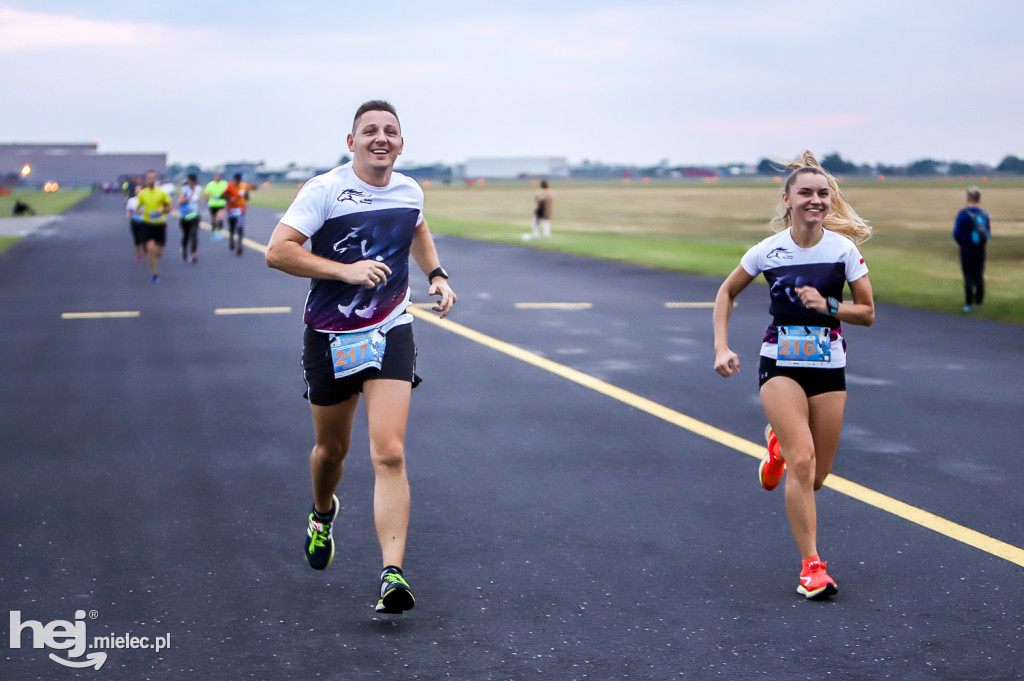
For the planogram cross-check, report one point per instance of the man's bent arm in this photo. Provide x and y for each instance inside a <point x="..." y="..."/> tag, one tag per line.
<point x="286" y="252"/>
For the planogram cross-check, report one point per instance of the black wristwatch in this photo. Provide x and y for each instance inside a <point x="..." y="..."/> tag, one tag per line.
<point x="437" y="272"/>
<point x="833" y="305"/>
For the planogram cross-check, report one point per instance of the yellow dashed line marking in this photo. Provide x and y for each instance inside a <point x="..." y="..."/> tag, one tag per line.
<point x="690" y="306"/>
<point x="99" y="315"/>
<point x="554" y="306"/>
<point x="252" y="310"/>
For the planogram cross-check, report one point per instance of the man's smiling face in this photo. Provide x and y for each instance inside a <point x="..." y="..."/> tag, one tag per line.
<point x="376" y="140"/>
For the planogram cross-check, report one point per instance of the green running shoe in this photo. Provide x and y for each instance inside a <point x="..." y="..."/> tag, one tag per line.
<point x="320" y="540"/>
<point x="395" y="594"/>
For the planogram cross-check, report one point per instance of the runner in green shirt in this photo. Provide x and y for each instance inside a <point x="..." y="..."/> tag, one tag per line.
<point x="214" y="191"/>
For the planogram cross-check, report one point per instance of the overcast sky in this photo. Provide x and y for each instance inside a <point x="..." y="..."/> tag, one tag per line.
<point x="691" y="81"/>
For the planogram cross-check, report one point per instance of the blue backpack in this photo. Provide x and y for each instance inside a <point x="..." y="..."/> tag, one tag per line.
<point x="981" y="229"/>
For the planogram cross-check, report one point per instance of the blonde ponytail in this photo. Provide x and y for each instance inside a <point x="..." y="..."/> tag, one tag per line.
<point x="841" y="218"/>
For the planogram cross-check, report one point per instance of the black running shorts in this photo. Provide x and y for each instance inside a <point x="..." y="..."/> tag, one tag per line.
<point x="324" y="390"/>
<point x="155" y="232"/>
<point x="814" y="381"/>
<point x="137" y="233"/>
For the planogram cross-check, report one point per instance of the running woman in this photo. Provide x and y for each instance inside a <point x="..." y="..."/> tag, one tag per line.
<point x="364" y="221"/>
<point x="132" y="208"/>
<point x="803" y="354"/>
<point x="188" y="218"/>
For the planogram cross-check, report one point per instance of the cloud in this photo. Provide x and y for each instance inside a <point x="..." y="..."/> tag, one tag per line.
<point x="22" y="31"/>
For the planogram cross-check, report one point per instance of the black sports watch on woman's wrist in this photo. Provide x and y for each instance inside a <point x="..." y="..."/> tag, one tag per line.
<point x="436" y="272"/>
<point x="833" y="305"/>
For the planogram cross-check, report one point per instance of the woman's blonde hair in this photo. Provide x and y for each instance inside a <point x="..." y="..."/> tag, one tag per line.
<point x="841" y="218"/>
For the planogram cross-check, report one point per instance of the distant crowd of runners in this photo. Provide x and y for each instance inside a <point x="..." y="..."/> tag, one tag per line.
<point x="150" y="202"/>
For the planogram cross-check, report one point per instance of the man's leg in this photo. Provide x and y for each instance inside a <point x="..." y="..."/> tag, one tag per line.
<point x="332" y="427"/>
<point x="151" y="256"/>
<point x="387" y="410"/>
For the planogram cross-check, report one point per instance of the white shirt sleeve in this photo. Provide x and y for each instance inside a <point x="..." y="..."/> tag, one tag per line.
<point x="751" y="260"/>
<point x="855" y="266"/>
<point x="308" y="211"/>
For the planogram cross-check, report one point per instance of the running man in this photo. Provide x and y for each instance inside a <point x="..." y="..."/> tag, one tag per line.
<point x="803" y="355"/>
<point x="364" y="221"/>
<point x="214" y="192"/>
<point x="188" y="218"/>
<point x="236" y="194"/>
<point x="154" y="205"/>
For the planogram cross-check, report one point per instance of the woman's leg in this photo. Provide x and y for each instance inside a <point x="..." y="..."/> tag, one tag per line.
<point x="788" y="410"/>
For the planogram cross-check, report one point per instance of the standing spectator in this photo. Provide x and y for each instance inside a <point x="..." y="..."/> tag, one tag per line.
<point x="972" y="231"/>
<point x="542" y="212"/>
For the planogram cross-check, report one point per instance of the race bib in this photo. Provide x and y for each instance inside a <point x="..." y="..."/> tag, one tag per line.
<point x="155" y="214"/>
<point x="353" y="352"/>
<point x="804" y="346"/>
<point x="234" y="212"/>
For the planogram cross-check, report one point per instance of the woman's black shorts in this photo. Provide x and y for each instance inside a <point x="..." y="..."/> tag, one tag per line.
<point x="137" y="233"/>
<point x="324" y="390"/>
<point x="814" y="381"/>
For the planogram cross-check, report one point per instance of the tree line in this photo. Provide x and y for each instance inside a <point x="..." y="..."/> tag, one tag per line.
<point x="836" y="164"/>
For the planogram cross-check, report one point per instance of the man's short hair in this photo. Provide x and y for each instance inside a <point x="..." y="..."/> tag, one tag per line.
<point x="192" y="176"/>
<point x="973" y="194"/>
<point x="374" y="105"/>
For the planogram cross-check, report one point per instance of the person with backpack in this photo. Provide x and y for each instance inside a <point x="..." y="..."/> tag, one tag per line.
<point x="972" y="231"/>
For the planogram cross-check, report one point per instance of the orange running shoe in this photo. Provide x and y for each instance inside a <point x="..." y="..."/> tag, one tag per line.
<point x="814" y="581"/>
<point x="772" y="465"/>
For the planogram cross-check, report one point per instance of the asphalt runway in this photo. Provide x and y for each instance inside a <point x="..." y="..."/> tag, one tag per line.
<point x="585" y="498"/>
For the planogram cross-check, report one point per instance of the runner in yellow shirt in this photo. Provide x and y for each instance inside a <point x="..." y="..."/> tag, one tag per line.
<point x="154" y="205"/>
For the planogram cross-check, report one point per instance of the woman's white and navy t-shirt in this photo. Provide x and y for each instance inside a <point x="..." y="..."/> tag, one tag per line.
<point x="826" y="266"/>
<point x="348" y="221"/>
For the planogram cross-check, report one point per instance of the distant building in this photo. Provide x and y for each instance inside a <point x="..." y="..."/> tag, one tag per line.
<point x="511" y="167"/>
<point x="72" y="165"/>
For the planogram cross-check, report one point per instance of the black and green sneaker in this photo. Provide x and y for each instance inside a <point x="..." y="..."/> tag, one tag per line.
<point x="395" y="594"/>
<point x="319" y="539"/>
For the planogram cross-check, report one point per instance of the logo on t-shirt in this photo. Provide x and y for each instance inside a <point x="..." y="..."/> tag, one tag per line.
<point x="355" y="196"/>
<point x="779" y="253"/>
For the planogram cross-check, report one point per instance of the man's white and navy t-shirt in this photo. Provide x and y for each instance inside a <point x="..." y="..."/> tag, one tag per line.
<point x="348" y="221"/>
<point x="826" y="266"/>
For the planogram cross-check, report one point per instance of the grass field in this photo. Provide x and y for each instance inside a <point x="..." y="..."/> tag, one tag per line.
<point x="705" y="228"/>
<point x="43" y="203"/>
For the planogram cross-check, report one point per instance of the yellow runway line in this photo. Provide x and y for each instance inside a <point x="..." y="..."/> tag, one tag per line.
<point x="690" y="306"/>
<point x="554" y="306"/>
<point x="99" y="315"/>
<point x="252" y="310"/>
<point x="851" y="489"/>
